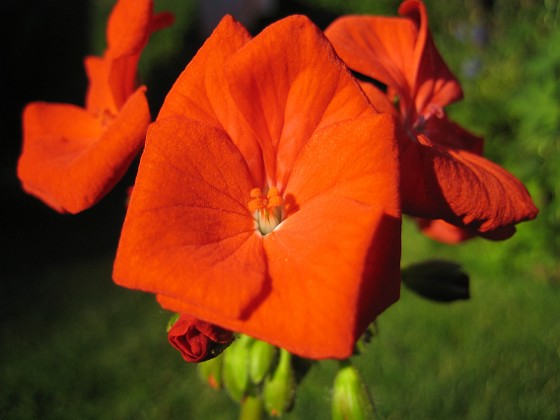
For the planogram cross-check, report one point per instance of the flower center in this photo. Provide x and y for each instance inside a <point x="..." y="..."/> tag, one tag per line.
<point x="267" y="209"/>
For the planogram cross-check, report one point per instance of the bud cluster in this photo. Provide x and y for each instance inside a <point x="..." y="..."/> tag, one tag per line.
<point x="254" y="372"/>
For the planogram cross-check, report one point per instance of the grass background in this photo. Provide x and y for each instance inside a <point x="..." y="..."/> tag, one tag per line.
<point x="73" y="345"/>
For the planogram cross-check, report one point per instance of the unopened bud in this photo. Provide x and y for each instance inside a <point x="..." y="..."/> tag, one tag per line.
<point x="442" y="281"/>
<point x="280" y="388"/>
<point x="350" y="398"/>
<point x="197" y="340"/>
<point x="236" y="367"/>
<point x="261" y="360"/>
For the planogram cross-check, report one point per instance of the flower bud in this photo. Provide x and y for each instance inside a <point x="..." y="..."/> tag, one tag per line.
<point x="442" y="281"/>
<point x="236" y="367"/>
<point x="350" y="398"/>
<point x="261" y="360"/>
<point x="198" y="340"/>
<point x="280" y="388"/>
<point x="210" y="371"/>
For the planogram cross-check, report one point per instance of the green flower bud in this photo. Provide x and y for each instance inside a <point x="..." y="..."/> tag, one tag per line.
<point x="280" y="388"/>
<point x="261" y="360"/>
<point x="442" y="281"/>
<point x="236" y="367"/>
<point x="211" y="371"/>
<point x="350" y="398"/>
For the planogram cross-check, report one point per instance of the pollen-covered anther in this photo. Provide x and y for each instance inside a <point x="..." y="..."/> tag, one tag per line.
<point x="266" y="209"/>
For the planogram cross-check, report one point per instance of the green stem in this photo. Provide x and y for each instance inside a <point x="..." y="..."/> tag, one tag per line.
<point x="252" y="408"/>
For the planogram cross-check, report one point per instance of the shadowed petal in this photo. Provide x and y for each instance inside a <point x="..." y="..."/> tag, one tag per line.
<point x="70" y="160"/>
<point x="188" y="233"/>
<point x="161" y="21"/>
<point x="462" y="188"/>
<point x="444" y="132"/>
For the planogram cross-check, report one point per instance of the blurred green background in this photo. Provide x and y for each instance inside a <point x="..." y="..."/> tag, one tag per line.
<point x="73" y="345"/>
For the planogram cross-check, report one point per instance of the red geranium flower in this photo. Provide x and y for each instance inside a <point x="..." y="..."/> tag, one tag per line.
<point x="443" y="175"/>
<point x="73" y="156"/>
<point x="267" y="200"/>
<point x="197" y="340"/>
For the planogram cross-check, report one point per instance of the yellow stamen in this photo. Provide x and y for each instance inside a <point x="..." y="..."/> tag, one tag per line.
<point x="266" y="209"/>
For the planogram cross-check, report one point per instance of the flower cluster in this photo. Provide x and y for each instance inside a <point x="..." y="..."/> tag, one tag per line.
<point x="271" y="185"/>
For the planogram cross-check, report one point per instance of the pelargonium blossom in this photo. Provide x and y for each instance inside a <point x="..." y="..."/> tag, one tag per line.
<point x="266" y="200"/>
<point x="443" y="177"/>
<point x="73" y="156"/>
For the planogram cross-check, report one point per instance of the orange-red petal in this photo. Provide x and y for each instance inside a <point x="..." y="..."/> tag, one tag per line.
<point x="188" y="232"/>
<point x="444" y="232"/>
<point x="123" y="78"/>
<point x="201" y="93"/>
<point x="434" y="84"/>
<point x="99" y="95"/>
<point x="113" y="77"/>
<point x="189" y="97"/>
<point x="111" y="82"/>
<point x="378" y="99"/>
<point x="70" y="160"/>
<point x="462" y="188"/>
<point x="285" y="104"/>
<point x="379" y="47"/>
<point x="128" y="27"/>
<point x="400" y="53"/>
<point x="130" y="24"/>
